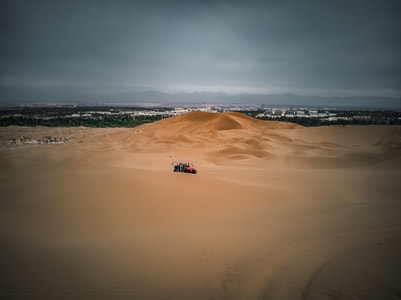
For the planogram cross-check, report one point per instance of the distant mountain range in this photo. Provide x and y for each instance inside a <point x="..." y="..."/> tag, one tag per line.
<point x="269" y="99"/>
<point x="157" y="97"/>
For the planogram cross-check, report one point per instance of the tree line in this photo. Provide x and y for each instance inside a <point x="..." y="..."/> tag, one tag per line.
<point x="93" y="121"/>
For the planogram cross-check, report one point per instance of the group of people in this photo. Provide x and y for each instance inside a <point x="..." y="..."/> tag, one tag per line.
<point x="180" y="166"/>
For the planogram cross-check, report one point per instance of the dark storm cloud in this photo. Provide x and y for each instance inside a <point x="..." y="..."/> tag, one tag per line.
<point x="101" y="49"/>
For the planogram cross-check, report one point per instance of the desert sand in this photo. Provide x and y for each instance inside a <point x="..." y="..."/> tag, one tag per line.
<point x="276" y="211"/>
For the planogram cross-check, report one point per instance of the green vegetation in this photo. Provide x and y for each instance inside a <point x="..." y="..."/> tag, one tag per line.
<point x="74" y="116"/>
<point x="93" y="121"/>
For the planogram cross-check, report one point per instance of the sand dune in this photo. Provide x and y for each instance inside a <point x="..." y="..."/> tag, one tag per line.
<point x="276" y="211"/>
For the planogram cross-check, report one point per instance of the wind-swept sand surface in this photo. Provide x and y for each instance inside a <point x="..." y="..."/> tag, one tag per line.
<point x="276" y="211"/>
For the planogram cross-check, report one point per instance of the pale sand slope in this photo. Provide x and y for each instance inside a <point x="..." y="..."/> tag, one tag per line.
<point x="276" y="211"/>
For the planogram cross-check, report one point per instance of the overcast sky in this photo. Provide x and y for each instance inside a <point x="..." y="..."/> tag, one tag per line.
<point x="86" y="50"/>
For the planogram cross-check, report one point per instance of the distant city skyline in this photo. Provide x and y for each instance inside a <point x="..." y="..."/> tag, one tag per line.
<point x="330" y="53"/>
